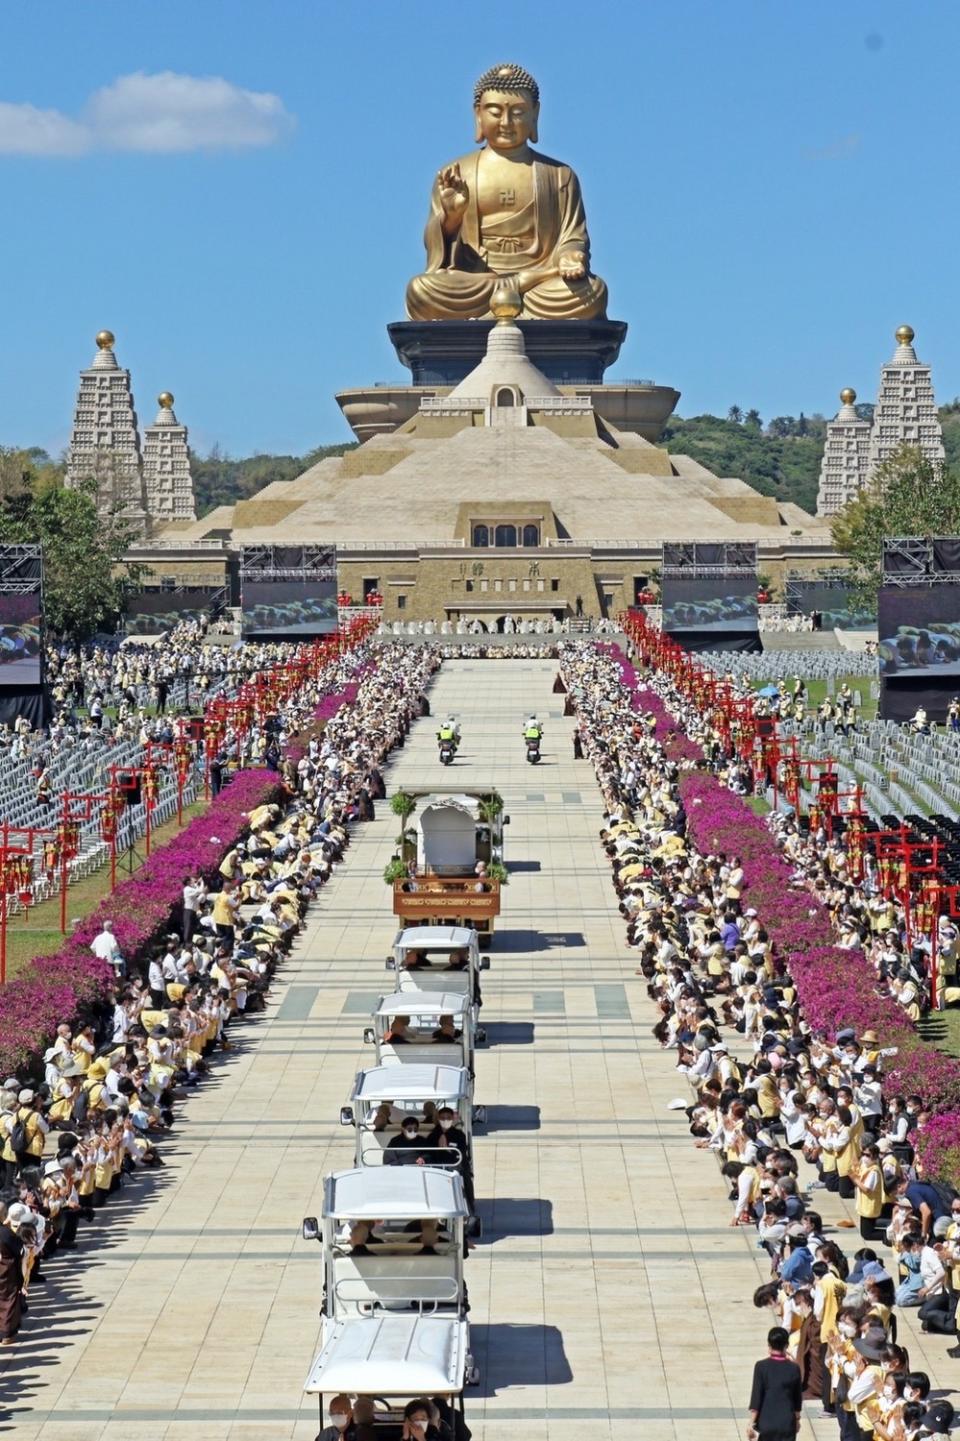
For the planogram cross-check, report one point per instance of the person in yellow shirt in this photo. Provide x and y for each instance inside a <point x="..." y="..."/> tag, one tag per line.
<point x="867" y="1179"/>
<point x="225" y="909"/>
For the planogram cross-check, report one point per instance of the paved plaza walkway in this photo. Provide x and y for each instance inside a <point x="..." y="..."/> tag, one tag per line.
<point x="609" y="1297"/>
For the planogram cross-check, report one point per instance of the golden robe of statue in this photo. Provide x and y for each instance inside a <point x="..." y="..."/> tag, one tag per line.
<point x="506" y="210"/>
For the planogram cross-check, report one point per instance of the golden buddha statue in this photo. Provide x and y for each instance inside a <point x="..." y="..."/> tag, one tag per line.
<point x="506" y="210"/>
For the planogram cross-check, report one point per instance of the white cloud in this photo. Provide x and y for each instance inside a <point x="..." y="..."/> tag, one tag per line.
<point x="159" y="114"/>
<point x="25" y="130"/>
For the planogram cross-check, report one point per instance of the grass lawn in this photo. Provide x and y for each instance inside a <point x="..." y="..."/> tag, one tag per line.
<point x="38" y="933"/>
<point x="817" y="690"/>
<point x="942" y="1029"/>
<point x="758" y="805"/>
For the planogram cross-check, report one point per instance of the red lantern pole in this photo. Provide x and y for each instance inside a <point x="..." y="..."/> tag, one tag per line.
<point x="3" y="902"/>
<point x="65" y="813"/>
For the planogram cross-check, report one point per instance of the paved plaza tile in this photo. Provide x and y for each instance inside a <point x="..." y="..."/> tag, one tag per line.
<point x="609" y="1296"/>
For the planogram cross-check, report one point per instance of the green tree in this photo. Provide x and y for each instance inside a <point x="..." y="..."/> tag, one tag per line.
<point x="84" y="583"/>
<point x="735" y="414"/>
<point x="908" y="495"/>
<point x="752" y="420"/>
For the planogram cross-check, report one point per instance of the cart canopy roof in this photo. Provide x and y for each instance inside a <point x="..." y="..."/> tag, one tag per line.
<point x="423" y="1003"/>
<point x="436" y="938"/>
<point x="412" y="1083"/>
<point x="394" y="1193"/>
<point x="392" y="1356"/>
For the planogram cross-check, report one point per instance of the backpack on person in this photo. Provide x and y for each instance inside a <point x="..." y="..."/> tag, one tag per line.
<point x="18" y="1137"/>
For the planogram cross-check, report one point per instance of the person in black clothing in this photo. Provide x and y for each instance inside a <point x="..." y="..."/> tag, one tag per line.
<point x="407" y="1148"/>
<point x="776" y="1397"/>
<point x="447" y="1135"/>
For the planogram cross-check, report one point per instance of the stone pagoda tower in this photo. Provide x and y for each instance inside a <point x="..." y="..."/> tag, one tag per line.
<point x="906" y="412"/>
<point x="167" y="482"/>
<point x="104" y="441"/>
<point x="845" y="452"/>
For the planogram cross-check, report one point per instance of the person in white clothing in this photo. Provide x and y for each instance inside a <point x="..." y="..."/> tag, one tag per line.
<point x="106" y="946"/>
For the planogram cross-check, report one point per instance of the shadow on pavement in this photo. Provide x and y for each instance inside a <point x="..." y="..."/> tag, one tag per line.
<point x="518" y="1355"/>
<point x="509" y="1118"/>
<point x="510" y="1033"/>
<point x="516" y="1216"/>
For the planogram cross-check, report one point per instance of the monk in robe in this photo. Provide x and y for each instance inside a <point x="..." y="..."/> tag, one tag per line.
<point x="506" y="211"/>
<point x="11" y="1283"/>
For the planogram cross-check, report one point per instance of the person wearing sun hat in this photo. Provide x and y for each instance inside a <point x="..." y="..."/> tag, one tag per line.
<point x="937" y="1421"/>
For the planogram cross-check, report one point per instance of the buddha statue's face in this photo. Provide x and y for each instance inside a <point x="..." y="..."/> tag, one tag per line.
<point x="504" y="121"/>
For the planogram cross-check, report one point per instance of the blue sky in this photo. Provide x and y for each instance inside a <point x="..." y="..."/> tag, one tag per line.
<point x="770" y="190"/>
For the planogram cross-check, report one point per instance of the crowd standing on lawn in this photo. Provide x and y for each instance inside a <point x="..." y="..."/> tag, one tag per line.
<point x="174" y="960"/>
<point x="779" y="986"/>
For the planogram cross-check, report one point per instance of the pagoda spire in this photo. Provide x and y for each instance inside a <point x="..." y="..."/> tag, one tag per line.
<point x="167" y="480"/>
<point x="104" y="440"/>
<point x="844" y="462"/>
<point x="906" y="409"/>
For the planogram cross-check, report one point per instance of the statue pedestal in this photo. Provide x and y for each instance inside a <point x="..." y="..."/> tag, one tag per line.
<point x="568" y="352"/>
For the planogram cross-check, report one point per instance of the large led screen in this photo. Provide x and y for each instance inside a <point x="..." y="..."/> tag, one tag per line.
<point x="289" y="607"/>
<point x="838" y="607"/>
<point x="715" y="604"/>
<point x="919" y="629"/>
<point x="154" y="612"/>
<point x="21" y="657"/>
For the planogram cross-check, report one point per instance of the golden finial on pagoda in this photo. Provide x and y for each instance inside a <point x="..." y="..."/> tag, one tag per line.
<point x="905" y="335"/>
<point x="165" y="400"/>
<point x="848" y="396"/>
<point x="506" y="302"/>
<point x="105" y="339"/>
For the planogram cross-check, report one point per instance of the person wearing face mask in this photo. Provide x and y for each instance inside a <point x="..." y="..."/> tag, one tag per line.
<point x="910" y="1286"/>
<point x="417" y="1425"/>
<point x="341" y="1421"/>
<point x="839" y="1353"/>
<point x="448" y="1136"/>
<point x="407" y="1148"/>
<point x="952" y="1244"/>
<point x="916" y="1387"/>
<point x="927" y="1200"/>
<point x="890" y="1403"/>
<point x="865" y="1376"/>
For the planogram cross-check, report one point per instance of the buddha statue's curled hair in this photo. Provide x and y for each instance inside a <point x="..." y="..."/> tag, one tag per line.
<point x="511" y="79"/>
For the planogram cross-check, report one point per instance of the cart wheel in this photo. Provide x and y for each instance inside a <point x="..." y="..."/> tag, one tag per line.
<point x="480" y="1115"/>
<point x="473" y="1376"/>
<point x="481" y="1035"/>
<point x="475" y="1227"/>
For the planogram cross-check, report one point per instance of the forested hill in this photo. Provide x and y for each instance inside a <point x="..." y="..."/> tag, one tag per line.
<point x="221" y="480"/>
<point x="780" y="457"/>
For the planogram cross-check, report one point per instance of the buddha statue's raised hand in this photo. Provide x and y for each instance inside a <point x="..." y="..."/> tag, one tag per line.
<point x="453" y="198"/>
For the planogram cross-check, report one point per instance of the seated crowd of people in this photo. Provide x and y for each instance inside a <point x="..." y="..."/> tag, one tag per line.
<point x="112" y="1079"/>
<point x="132" y="692"/>
<point x="788" y="1112"/>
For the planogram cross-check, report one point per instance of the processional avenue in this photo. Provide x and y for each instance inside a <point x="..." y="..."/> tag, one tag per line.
<point x="604" y="1233"/>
